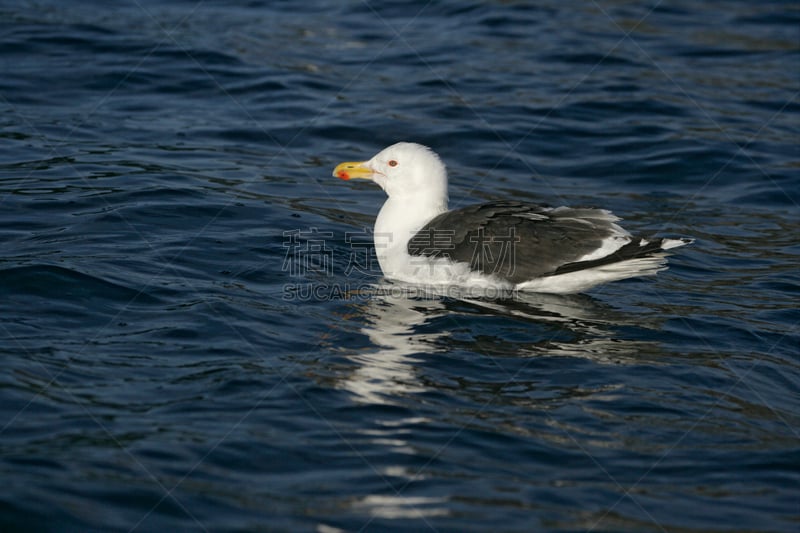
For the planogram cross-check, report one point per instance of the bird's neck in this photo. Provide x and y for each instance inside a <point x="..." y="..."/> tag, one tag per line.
<point x="400" y="219"/>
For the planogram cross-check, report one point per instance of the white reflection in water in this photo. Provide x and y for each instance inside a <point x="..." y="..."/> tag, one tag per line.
<point x="404" y="334"/>
<point x="391" y="325"/>
<point x="396" y="327"/>
<point x="403" y="507"/>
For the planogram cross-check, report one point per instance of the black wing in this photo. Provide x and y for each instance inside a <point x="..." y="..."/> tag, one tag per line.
<point x="518" y="241"/>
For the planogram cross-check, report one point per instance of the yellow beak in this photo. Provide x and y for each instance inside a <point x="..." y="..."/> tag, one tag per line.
<point x="353" y="169"/>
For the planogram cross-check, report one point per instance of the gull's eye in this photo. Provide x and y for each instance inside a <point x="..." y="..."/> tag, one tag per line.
<point x="393" y="163"/>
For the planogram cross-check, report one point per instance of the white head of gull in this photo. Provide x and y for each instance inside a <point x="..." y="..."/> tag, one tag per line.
<point x="506" y="245"/>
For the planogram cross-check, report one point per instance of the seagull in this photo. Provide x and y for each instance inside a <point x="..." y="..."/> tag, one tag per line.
<point x="504" y="244"/>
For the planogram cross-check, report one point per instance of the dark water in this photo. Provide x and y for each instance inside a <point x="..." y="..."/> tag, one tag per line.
<point x="192" y="339"/>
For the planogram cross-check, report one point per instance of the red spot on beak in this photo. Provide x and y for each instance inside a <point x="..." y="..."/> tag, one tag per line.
<point x="342" y="175"/>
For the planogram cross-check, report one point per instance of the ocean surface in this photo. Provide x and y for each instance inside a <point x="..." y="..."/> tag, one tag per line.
<point x="196" y="336"/>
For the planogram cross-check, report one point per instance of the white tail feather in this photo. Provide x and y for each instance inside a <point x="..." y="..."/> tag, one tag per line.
<point x="581" y="280"/>
<point x="667" y="244"/>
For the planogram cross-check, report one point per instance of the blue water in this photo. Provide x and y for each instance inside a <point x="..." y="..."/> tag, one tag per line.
<point x="196" y="335"/>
